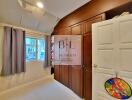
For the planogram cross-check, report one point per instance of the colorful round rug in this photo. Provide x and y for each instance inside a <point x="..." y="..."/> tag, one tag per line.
<point x="118" y="88"/>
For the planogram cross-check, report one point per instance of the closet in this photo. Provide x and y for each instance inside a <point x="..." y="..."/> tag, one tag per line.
<point x="79" y="78"/>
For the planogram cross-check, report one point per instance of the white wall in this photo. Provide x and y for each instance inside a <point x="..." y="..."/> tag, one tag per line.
<point x="34" y="71"/>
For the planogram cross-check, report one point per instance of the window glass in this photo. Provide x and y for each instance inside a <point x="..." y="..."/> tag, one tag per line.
<point x="30" y="49"/>
<point x="35" y="49"/>
<point x="41" y="49"/>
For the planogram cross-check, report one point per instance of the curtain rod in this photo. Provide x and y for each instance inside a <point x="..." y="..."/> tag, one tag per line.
<point x="25" y="29"/>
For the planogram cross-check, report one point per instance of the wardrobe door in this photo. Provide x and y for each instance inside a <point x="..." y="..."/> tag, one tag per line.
<point x="87" y="83"/>
<point x="57" y="72"/>
<point x="87" y="55"/>
<point x="65" y="31"/>
<point x="76" y="29"/>
<point x="87" y="45"/>
<point x="76" y="79"/>
<point x="125" y="49"/>
<point x="104" y="57"/>
<point x="87" y="51"/>
<point x="64" y="75"/>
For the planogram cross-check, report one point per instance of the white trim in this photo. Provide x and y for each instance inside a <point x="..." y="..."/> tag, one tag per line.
<point x="27" y="30"/>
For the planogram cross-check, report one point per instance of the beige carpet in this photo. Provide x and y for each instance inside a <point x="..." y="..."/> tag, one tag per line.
<point x="47" y="89"/>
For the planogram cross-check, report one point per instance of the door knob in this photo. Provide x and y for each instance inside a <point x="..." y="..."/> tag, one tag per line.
<point x="95" y="66"/>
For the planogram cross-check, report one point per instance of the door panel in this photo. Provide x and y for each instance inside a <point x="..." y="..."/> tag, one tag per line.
<point x="125" y="49"/>
<point x="87" y="54"/>
<point x="105" y="34"/>
<point x="87" y="83"/>
<point x="76" y="77"/>
<point x="104" y="58"/>
<point x="57" y="72"/>
<point x="125" y="44"/>
<point x="64" y="75"/>
<point x="77" y="29"/>
<point x="125" y="29"/>
<point x="99" y="78"/>
<point x="112" y="54"/>
<point x="107" y="58"/>
<point x="65" y="31"/>
<point x="87" y="51"/>
<point x="104" y="51"/>
<point x="87" y="61"/>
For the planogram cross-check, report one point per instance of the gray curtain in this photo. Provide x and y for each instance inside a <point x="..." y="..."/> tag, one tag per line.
<point x="47" y="52"/>
<point x="13" y="51"/>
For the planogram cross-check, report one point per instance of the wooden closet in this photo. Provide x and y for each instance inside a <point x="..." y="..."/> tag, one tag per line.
<point x="87" y="55"/>
<point x="79" y="78"/>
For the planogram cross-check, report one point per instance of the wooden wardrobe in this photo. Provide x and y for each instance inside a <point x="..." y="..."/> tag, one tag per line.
<point x="79" y="78"/>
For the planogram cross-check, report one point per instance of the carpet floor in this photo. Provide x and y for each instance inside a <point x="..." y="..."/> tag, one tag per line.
<point x="46" y="89"/>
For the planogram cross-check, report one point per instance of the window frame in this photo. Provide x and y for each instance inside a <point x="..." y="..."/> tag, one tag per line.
<point x="36" y="45"/>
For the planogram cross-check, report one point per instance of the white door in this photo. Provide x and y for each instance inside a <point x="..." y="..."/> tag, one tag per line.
<point x="111" y="54"/>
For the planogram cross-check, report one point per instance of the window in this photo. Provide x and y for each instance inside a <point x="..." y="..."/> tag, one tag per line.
<point x="35" y="49"/>
<point x="30" y="49"/>
<point x="41" y="49"/>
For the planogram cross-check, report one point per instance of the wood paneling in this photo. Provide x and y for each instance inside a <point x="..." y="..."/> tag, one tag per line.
<point x="76" y="29"/>
<point x="87" y="83"/>
<point x="57" y="72"/>
<point x="87" y="61"/>
<point x="87" y="50"/>
<point x="88" y="23"/>
<point x="64" y="75"/>
<point x="87" y="55"/>
<point x="64" y="31"/>
<point x="89" y="10"/>
<point x="76" y="80"/>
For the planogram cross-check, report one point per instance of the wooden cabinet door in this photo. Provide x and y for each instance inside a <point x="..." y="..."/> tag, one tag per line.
<point x="88" y="23"/>
<point x="104" y="55"/>
<point x="87" y="83"/>
<point x="87" y="55"/>
<point x="65" y="31"/>
<point x="57" y="72"/>
<point x="76" y="29"/>
<point x="87" y="51"/>
<point x="87" y="61"/>
<point x="76" y="79"/>
<point x="64" y="75"/>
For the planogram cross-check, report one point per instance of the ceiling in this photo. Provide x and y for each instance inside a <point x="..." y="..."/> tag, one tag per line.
<point x="12" y="13"/>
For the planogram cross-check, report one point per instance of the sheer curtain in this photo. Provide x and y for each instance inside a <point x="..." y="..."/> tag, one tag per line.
<point x="13" y="51"/>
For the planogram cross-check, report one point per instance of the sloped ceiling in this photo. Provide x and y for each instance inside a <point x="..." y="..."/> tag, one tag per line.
<point x="12" y="13"/>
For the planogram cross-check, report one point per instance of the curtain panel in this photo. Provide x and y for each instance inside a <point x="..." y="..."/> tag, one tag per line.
<point x="47" y="52"/>
<point x="13" y="51"/>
